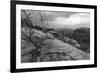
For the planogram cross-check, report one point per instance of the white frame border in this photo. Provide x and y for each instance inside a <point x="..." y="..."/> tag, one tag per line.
<point x="20" y="65"/>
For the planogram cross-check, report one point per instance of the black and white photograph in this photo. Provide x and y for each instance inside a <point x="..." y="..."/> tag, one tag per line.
<point x="52" y="36"/>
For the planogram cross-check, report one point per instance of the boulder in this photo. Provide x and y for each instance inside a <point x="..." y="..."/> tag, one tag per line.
<point x="39" y="34"/>
<point x="74" y="43"/>
<point x="50" y="36"/>
<point x="66" y="39"/>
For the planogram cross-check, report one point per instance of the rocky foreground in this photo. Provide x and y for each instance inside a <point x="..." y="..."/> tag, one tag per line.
<point x="39" y="46"/>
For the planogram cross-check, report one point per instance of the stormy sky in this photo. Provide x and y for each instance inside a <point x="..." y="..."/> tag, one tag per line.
<point x="58" y="19"/>
<point x="68" y="19"/>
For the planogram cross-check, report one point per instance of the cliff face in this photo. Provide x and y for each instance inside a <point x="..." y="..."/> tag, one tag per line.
<point x="43" y="47"/>
<point x="82" y="35"/>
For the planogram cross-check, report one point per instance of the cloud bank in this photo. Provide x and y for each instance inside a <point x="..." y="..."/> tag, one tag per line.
<point x="71" y="21"/>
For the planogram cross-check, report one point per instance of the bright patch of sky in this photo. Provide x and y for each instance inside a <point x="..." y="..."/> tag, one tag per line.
<point x="68" y="19"/>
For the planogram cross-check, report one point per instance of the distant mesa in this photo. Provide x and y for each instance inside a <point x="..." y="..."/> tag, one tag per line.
<point x="82" y="35"/>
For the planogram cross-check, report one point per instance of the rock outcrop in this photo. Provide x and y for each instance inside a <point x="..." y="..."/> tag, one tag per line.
<point x="49" y="47"/>
<point x="69" y="50"/>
